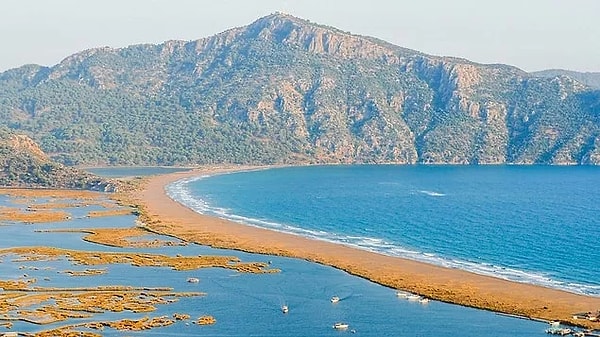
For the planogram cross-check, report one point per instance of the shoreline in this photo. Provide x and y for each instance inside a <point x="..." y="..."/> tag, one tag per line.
<point x="161" y="214"/>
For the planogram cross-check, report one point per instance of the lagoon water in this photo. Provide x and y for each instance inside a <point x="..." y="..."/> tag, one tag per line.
<point x="249" y="304"/>
<point x="533" y="224"/>
<point x="246" y="304"/>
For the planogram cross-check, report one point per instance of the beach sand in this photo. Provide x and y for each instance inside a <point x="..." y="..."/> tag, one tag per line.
<point x="163" y="215"/>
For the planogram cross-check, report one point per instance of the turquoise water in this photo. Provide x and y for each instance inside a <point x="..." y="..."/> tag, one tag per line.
<point x="532" y="224"/>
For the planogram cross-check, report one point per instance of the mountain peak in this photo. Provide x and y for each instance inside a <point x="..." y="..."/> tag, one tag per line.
<point x="292" y="31"/>
<point x="280" y="19"/>
<point x="281" y="16"/>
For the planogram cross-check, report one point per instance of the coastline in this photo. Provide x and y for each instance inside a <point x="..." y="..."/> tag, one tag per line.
<point x="163" y="215"/>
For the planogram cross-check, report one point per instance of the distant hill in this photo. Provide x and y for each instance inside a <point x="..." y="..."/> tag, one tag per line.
<point x="286" y="90"/>
<point x="25" y="165"/>
<point x="591" y="79"/>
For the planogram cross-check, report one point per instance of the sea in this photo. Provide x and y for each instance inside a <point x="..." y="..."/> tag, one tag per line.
<point x="530" y="224"/>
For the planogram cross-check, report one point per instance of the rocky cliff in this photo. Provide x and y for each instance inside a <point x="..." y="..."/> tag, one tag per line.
<point x="285" y="90"/>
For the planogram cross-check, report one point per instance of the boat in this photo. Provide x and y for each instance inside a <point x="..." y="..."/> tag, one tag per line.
<point x="402" y="294"/>
<point x="335" y="299"/>
<point x="284" y="309"/>
<point x="559" y="331"/>
<point x="413" y="297"/>
<point x="424" y="300"/>
<point x="193" y="280"/>
<point x="340" y="326"/>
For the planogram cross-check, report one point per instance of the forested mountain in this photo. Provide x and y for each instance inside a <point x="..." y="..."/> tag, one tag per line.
<point x="591" y="79"/>
<point x="285" y="90"/>
<point x="25" y="165"/>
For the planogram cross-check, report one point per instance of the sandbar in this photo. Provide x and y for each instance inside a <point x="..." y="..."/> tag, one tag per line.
<point x="161" y="214"/>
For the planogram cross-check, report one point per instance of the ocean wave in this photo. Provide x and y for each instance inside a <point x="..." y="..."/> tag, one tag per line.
<point x="180" y="192"/>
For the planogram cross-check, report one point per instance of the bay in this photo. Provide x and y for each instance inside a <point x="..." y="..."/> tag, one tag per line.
<point x="532" y="224"/>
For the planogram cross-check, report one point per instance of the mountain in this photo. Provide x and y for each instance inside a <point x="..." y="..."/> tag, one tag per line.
<point x="25" y="165"/>
<point x="286" y="90"/>
<point x="591" y="79"/>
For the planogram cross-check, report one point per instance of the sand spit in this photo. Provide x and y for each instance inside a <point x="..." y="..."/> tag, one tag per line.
<point x="110" y="212"/>
<point x="132" y="237"/>
<point x="77" y="330"/>
<point x="165" y="216"/>
<point x="50" y="305"/>
<point x="31" y="216"/>
<point x="179" y="262"/>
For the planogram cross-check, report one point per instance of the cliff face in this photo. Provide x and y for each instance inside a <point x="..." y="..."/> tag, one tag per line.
<point x="285" y="90"/>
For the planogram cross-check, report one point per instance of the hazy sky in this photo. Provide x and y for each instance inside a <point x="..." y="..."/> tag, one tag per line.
<point x="530" y="34"/>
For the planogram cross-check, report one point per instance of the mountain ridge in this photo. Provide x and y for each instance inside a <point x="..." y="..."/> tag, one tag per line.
<point x="589" y="78"/>
<point x="285" y="90"/>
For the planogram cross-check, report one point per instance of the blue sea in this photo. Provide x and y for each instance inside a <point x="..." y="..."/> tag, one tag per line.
<point x="531" y="224"/>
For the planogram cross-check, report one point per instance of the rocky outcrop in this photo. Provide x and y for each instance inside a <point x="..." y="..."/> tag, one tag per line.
<point x="25" y="165"/>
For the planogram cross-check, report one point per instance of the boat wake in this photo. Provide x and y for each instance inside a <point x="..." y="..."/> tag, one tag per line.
<point x="432" y="193"/>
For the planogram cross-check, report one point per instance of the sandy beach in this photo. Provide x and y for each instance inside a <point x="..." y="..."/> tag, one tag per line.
<point x="163" y="215"/>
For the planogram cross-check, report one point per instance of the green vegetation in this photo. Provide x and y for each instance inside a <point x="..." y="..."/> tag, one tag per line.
<point x="24" y="165"/>
<point x="284" y="90"/>
<point x="591" y="79"/>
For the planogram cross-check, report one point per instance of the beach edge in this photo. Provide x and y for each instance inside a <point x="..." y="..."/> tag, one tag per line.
<point x="161" y="214"/>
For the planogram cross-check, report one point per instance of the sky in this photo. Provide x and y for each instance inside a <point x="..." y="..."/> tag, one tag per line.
<point x="530" y="34"/>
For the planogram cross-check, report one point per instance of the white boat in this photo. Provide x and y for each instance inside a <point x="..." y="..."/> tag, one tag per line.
<point x="413" y="297"/>
<point x="335" y="299"/>
<point x="424" y="300"/>
<point x="193" y="280"/>
<point x="284" y="309"/>
<point x="340" y="326"/>
<point x="559" y="331"/>
<point x="402" y="294"/>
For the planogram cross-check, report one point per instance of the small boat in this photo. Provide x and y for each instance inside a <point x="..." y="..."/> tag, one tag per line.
<point x="559" y="331"/>
<point x="401" y="294"/>
<point x="193" y="280"/>
<point x="413" y="297"/>
<point x="424" y="300"/>
<point x="284" y="309"/>
<point x="335" y="299"/>
<point x="340" y="326"/>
